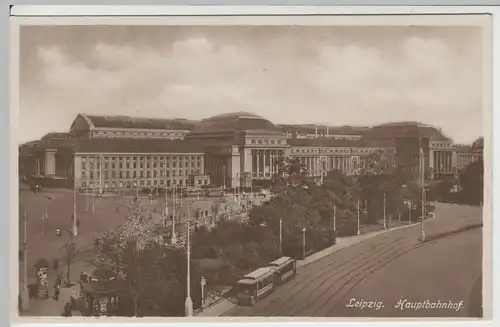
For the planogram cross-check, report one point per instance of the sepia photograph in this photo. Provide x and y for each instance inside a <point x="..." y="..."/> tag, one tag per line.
<point x="320" y="168"/>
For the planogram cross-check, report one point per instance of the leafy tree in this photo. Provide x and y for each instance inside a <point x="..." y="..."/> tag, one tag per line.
<point x="214" y="209"/>
<point x="291" y="173"/>
<point x="472" y="181"/>
<point x="120" y="250"/>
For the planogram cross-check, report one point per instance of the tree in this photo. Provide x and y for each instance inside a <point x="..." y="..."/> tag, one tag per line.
<point x="136" y="237"/>
<point x="291" y="173"/>
<point x="69" y="252"/>
<point x="120" y="250"/>
<point x="381" y="184"/>
<point x="472" y="181"/>
<point x="215" y="208"/>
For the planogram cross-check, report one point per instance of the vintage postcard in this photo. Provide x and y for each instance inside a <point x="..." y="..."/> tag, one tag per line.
<point x="327" y="167"/>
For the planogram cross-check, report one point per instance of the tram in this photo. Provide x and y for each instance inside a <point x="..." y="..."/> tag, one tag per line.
<point x="284" y="268"/>
<point x="255" y="285"/>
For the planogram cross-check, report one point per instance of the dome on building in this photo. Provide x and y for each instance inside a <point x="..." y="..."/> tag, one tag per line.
<point x="478" y="144"/>
<point x="405" y="130"/>
<point x="232" y="123"/>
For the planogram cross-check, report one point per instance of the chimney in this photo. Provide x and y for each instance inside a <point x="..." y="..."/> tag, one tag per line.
<point x="316" y="131"/>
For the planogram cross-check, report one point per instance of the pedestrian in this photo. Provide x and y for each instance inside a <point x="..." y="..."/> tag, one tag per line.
<point x="72" y="303"/>
<point x="85" y="277"/>
<point x="67" y="310"/>
<point x="81" y="277"/>
<point x="58" y="280"/>
<point x="57" y="289"/>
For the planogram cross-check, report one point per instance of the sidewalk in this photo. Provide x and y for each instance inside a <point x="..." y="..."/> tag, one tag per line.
<point x="224" y="304"/>
<point x="51" y="307"/>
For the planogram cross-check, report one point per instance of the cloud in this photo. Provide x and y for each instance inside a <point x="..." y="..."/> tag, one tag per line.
<point x="415" y="78"/>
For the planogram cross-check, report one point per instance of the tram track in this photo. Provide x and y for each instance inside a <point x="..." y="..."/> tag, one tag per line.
<point x="328" y="268"/>
<point x="331" y="274"/>
<point x="321" y="288"/>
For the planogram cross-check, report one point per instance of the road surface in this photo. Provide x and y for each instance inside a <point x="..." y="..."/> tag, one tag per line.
<point x="388" y="268"/>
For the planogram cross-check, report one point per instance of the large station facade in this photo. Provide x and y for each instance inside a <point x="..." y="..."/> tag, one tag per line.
<point x="228" y="150"/>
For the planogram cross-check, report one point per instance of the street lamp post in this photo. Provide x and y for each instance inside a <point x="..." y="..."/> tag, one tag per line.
<point x="86" y="200"/>
<point x="174" y="236"/>
<point x="385" y="219"/>
<point x="24" y="291"/>
<point x="93" y="198"/>
<point x="303" y="243"/>
<point x="75" y="227"/>
<point x="281" y="237"/>
<point x="422" y="180"/>
<point x="359" y="232"/>
<point x="410" y="205"/>
<point x="335" y="222"/>
<point x="202" y="284"/>
<point x="188" y="305"/>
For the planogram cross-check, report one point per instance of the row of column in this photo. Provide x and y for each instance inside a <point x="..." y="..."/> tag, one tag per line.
<point x="317" y="165"/>
<point x="443" y="161"/>
<point x="265" y="163"/>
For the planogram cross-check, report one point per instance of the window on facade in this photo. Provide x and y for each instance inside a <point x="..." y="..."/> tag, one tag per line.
<point x="141" y="174"/>
<point x="84" y="166"/>
<point x="174" y="164"/>
<point x="127" y="174"/>
<point x="174" y="173"/>
<point x="168" y="173"/>
<point x="83" y="174"/>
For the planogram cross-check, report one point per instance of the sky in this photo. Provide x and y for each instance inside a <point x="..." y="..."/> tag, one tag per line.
<point x="336" y="75"/>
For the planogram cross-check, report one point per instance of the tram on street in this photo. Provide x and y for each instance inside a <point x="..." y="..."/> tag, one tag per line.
<point x="284" y="268"/>
<point x="255" y="285"/>
<point x="214" y="192"/>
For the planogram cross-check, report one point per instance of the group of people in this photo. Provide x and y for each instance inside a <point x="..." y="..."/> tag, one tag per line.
<point x="71" y="304"/>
